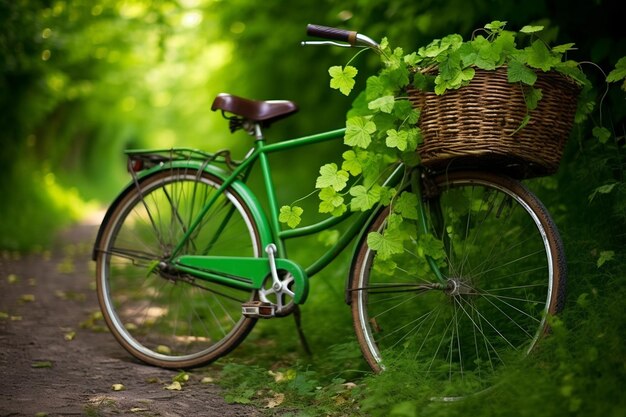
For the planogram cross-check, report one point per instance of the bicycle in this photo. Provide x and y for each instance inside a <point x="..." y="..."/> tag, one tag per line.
<point x="188" y="261"/>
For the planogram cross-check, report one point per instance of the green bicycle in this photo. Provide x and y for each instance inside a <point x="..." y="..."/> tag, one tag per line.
<point x="188" y="260"/>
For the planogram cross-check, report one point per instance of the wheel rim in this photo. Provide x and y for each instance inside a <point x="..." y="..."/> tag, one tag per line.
<point x="162" y="317"/>
<point x="490" y="311"/>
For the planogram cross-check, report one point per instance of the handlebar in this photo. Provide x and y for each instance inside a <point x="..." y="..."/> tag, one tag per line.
<point x="328" y="32"/>
<point x="351" y="38"/>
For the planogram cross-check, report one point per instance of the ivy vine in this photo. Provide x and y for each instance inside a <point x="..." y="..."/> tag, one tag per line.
<point x="382" y="125"/>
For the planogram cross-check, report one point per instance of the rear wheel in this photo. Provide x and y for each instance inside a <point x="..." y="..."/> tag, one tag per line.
<point x="503" y="272"/>
<point x="161" y="316"/>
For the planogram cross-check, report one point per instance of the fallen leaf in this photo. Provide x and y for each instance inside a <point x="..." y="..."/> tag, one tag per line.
<point x="207" y="380"/>
<point x="41" y="364"/>
<point x="66" y="266"/>
<point x="16" y="318"/>
<point x="4" y="315"/>
<point x="174" y="386"/>
<point x="138" y="410"/>
<point x="12" y="279"/>
<point x="275" y="401"/>
<point x="164" y="350"/>
<point x="181" y="377"/>
<point x="27" y="298"/>
<point x="118" y="387"/>
<point x="69" y="336"/>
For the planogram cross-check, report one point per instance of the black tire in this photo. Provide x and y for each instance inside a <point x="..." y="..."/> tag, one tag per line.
<point x="170" y="319"/>
<point x="504" y="271"/>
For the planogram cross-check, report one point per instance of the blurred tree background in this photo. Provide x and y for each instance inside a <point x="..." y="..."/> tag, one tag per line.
<point x="82" y="80"/>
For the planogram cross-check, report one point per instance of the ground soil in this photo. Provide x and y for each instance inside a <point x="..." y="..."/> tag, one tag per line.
<point x="57" y="360"/>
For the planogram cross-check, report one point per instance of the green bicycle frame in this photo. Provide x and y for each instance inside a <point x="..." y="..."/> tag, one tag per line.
<point x="250" y="273"/>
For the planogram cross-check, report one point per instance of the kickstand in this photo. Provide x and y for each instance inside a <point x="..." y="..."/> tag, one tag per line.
<point x="297" y="317"/>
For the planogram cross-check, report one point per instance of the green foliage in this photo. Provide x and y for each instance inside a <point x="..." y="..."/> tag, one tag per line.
<point x="618" y="73"/>
<point x="290" y="215"/>
<point x="342" y="79"/>
<point x="71" y="115"/>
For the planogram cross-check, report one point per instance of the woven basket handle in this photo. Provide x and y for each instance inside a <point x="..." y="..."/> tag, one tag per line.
<point x="326" y="32"/>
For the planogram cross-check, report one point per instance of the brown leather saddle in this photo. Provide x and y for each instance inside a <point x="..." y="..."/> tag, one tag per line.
<point x="261" y="112"/>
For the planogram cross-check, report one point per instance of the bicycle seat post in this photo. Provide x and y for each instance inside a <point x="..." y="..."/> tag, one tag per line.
<point x="258" y="133"/>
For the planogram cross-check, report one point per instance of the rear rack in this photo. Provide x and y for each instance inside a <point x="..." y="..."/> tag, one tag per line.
<point x="140" y="159"/>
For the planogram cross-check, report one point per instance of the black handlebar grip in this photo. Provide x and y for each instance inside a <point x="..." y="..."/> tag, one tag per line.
<point x="335" y="34"/>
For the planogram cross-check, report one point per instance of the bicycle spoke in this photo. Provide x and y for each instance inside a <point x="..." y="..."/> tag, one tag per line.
<point x="178" y="320"/>
<point x="491" y="311"/>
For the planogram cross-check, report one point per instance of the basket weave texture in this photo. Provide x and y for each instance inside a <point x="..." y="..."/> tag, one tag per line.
<point x="478" y="124"/>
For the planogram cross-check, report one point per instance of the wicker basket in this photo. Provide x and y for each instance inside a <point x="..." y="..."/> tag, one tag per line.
<point x="476" y="125"/>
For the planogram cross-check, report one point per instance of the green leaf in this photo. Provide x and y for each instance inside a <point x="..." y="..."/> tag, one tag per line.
<point x="385" y="244"/>
<point x="331" y="176"/>
<point x="423" y="82"/>
<point x="386" y="194"/>
<point x="468" y="54"/>
<point x="487" y="56"/>
<point x="433" y="49"/>
<point x="359" y="132"/>
<point x="330" y="200"/>
<point x="397" y="77"/>
<point x="539" y="56"/>
<point x="428" y="245"/>
<point x="364" y="199"/>
<point x="532" y="96"/>
<point x="406" y="205"/>
<point x="603" y="189"/>
<point x="601" y="133"/>
<point x="404" y="111"/>
<point x="531" y="29"/>
<point x="605" y="256"/>
<point x="619" y="73"/>
<point x="518" y="72"/>
<point x="505" y="45"/>
<point x="328" y="237"/>
<point x="342" y="79"/>
<point x="495" y="25"/>
<point x="561" y="49"/>
<point x="351" y="163"/>
<point x="396" y="139"/>
<point x="522" y="125"/>
<point x="374" y="88"/>
<point x="383" y="104"/>
<point x="181" y="377"/>
<point x="290" y="215"/>
<point x="412" y="59"/>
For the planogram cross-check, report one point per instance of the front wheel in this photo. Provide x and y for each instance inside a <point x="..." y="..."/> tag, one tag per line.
<point x="503" y="272"/>
<point x="160" y="315"/>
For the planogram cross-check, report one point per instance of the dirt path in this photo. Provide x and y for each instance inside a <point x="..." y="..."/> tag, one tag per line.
<point x="55" y="362"/>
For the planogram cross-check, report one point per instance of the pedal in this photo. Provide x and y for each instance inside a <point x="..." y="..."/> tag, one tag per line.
<point x="258" y="310"/>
